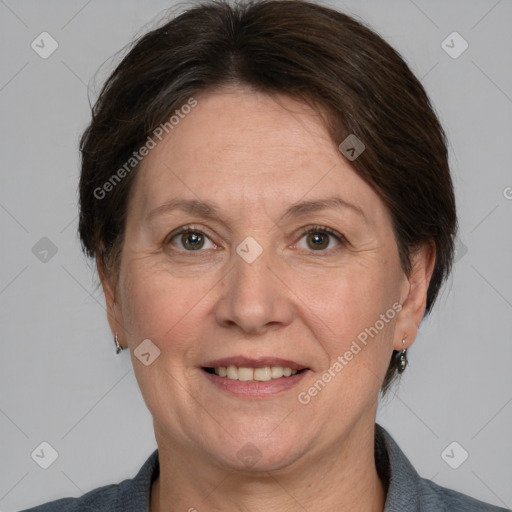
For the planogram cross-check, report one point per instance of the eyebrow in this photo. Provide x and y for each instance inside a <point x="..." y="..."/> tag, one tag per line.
<point x="211" y="210"/>
<point x="305" y="207"/>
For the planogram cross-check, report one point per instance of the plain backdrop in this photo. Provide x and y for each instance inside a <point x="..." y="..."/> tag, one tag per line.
<point x="60" y="379"/>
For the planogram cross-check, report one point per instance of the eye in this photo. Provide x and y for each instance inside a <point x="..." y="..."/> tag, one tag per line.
<point x="319" y="238"/>
<point x="190" y="239"/>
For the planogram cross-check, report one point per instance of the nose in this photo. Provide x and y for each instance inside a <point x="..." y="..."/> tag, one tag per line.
<point x="255" y="297"/>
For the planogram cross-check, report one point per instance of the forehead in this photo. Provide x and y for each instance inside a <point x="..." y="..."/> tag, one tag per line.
<point x="244" y="146"/>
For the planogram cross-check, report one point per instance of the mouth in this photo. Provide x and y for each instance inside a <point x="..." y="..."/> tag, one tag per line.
<point x="247" y="373"/>
<point x="254" y="378"/>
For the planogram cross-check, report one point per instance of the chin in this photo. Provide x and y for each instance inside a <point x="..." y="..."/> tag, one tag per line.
<point x="249" y="459"/>
<point x="254" y="453"/>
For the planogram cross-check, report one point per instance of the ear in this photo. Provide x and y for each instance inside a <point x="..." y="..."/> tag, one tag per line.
<point x="108" y="283"/>
<point x="414" y="297"/>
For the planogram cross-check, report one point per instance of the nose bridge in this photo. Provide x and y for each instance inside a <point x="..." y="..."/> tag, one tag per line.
<point x="252" y="267"/>
<point x="253" y="296"/>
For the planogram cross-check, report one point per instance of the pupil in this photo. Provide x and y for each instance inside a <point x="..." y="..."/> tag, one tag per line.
<point x="192" y="240"/>
<point x="319" y="241"/>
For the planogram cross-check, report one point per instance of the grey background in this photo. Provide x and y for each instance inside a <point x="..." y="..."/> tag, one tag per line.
<point x="60" y="379"/>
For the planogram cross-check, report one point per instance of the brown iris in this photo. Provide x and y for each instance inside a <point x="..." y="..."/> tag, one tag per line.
<point x="319" y="240"/>
<point x="192" y="240"/>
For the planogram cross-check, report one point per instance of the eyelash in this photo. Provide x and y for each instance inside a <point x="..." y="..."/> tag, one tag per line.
<point x="310" y="230"/>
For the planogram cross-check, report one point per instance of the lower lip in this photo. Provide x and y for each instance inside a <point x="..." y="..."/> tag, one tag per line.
<point x="255" y="388"/>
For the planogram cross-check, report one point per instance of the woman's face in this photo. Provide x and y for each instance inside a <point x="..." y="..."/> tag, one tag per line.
<point x="249" y="287"/>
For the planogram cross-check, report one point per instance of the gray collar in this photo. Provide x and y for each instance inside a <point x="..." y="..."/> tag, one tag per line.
<point x="397" y="472"/>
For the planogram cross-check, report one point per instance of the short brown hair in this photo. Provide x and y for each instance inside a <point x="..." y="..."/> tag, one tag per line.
<point x="297" y="48"/>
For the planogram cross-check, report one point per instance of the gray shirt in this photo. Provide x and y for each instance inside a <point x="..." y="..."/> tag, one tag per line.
<point x="406" y="490"/>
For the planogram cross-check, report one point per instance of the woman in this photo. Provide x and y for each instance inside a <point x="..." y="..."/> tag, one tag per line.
<point x="266" y="192"/>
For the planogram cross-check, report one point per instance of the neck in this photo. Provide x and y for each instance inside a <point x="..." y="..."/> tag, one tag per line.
<point x="343" y="479"/>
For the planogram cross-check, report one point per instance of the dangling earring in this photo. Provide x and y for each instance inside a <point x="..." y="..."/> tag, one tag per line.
<point x="402" y="359"/>
<point x="118" y="345"/>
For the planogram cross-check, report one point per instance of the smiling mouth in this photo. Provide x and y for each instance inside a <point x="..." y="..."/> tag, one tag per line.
<point x="244" y="373"/>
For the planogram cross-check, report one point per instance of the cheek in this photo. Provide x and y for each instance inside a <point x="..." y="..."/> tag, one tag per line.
<point x="352" y="311"/>
<point x="160" y="307"/>
<point x="348" y="299"/>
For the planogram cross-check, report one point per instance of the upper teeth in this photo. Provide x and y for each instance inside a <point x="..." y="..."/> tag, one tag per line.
<point x="262" y="374"/>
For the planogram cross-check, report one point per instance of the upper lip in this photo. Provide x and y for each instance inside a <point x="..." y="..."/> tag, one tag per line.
<point x="250" y="362"/>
